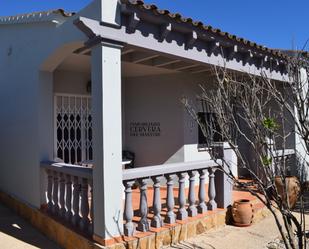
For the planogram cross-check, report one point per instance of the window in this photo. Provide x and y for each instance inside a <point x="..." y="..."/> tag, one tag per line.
<point x="212" y="129"/>
<point x="73" y="128"/>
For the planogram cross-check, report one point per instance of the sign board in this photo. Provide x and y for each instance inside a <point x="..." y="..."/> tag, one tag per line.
<point x="145" y="129"/>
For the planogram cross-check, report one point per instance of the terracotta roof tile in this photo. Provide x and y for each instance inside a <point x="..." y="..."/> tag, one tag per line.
<point x="179" y="18"/>
<point x="64" y="13"/>
<point x="34" y="16"/>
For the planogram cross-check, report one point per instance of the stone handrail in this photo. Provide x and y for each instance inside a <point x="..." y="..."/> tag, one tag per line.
<point x="64" y="168"/>
<point x="69" y="194"/>
<point x="172" y="168"/>
<point x="169" y="172"/>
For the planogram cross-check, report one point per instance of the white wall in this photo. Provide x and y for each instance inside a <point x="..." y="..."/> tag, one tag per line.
<point x="71" y="82"/>
<point x="26" y="102"/>
<point x="20" y="113"/>
<point x="158" y="99"/>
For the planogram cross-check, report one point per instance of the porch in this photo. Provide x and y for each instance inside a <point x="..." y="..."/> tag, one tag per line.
<point x="110" y="96"/>
<point x="151" y="86"/>
<point x="137" y="93"/>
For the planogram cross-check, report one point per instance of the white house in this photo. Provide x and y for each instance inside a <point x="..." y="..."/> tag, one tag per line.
<point x="83" y="87"/>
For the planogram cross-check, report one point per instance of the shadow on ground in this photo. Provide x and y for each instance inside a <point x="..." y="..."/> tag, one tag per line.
<point x="186" y="245"/>
<point x="15" y="232"/>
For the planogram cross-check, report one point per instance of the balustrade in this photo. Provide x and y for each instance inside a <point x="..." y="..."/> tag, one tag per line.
<point x="145" y="175"/>
<point x="69" y="194"/>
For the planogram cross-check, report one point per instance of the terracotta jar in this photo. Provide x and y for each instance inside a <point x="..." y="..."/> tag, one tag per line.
<point x="242" y="212"/>
<point x="293" y="189"/>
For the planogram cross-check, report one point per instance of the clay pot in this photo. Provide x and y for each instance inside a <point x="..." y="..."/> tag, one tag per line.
<point x="242" y="212"/>
<point x="293" y="189"/>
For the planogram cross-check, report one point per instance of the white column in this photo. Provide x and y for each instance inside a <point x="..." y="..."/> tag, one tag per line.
<point x="110" y="12"/>
<point x="224" y="185"/>
<point x="107" y="143"/>
<point x="300" y="144"/>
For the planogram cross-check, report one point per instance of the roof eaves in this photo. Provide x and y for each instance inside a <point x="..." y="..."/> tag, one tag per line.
<point x="198" y="24"/>
<point x="35" y="17"/>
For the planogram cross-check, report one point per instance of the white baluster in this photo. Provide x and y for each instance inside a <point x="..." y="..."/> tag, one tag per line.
<point x="76" y="192"/>
<point x="170" y="216"/>
<point x="143" y="224"/>
<point x="157" y="219"/>
<point x="49" y="190"/>
<point x="61" y="195"/>
<point x="182" y="213"/>
<point x="202" y="208"/>
<point x="192" y="211"/>
<point x="68" y="198"/>
<point x="91" y="207"/>
<point x="128" y="209"/>
<point x="55" y="194"/>
<point x="84" y="207"/>
<point x="212" y="205"/>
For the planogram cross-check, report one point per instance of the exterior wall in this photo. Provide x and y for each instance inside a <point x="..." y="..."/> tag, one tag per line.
<point x="20" y="112"/>
<point x="26" y="102"/>
<point x="157" y="99"/>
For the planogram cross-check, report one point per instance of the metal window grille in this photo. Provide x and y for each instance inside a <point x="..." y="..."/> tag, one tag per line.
<point x="73" y="128"/>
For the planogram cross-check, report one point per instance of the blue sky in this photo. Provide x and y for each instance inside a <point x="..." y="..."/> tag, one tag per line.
<point x="273" y="23"/>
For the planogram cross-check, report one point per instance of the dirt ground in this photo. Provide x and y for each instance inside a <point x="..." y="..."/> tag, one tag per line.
<point x="257" y="236"/>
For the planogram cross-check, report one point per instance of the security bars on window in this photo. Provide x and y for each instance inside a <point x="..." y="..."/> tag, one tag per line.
<point x="73" y="128"/>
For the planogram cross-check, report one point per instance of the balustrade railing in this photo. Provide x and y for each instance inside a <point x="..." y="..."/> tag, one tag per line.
<point x="187" y="205"/>
<point x="69" y="194"/>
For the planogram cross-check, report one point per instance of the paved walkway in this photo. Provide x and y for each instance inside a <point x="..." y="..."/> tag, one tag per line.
<point x="256" y="236"/>
<point x="16" y="233"/>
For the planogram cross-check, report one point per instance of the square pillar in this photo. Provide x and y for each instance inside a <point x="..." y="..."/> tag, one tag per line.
<point x="224" y="185"/>
<point x="110" y="12"/>
<point x="107" y="141"/>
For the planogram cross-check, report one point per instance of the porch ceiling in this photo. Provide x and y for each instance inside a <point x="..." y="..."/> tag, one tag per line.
<point x="137" y="62"/>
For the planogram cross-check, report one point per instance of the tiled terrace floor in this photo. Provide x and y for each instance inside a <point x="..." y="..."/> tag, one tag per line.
<point x="136" y="196"/>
